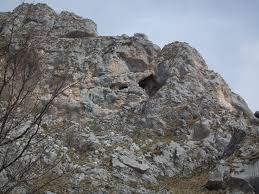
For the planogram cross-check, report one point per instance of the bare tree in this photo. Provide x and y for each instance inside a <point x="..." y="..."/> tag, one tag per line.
<point x="21" y="107"/>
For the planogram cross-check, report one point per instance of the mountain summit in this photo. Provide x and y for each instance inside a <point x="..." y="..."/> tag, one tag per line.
<point x="136" y="118"/>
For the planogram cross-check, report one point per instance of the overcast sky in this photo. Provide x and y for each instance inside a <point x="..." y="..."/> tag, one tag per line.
<point x="225" y="32"/>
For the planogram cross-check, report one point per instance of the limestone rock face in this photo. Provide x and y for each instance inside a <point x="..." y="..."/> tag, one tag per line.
<point x="45" y="21"/>
<point x="138" y="116"/>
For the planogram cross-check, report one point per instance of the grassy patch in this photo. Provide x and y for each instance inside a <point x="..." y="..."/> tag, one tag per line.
<point x="187" y="185"/>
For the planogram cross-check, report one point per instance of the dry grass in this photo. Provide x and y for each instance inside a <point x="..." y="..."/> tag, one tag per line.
<point x="188" y="185"/>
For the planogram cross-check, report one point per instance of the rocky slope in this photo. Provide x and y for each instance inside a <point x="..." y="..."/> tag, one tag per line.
<point x="140" y="119"/>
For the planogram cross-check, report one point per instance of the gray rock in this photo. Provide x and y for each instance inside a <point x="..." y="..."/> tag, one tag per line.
<point x="249" y="173"/>
<point x="3" y="178"/>
<point x="241" y="105"/>
<point x="49" y="192"/>
<point x="256" y="114"/>
<point x="201" y="130"/>
<point x="141" y="36"/>
<point x="70" y="25"/>
<point x="236" y="139"/>
<point x="216" y="177"/>
<point x="20" y="190"/>
<point x="137" y="165"/>
<point x="130" y="161"/>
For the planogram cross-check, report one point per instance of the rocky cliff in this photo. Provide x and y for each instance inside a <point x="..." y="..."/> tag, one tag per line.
<point x="140" y="119"/>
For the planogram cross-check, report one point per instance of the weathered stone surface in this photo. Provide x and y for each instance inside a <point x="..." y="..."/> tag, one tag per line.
<point x="201" y="130"/>
<point x="128" y="161"/>
<point x="138" y="115"/>
<point x="236" y="139"/>
<point x="45" y="21"/>
<point x="216" y="178"/>
<point x="239" y="174"/>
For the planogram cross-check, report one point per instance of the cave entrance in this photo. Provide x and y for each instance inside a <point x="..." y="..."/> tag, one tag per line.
<point x="150" y="85"/>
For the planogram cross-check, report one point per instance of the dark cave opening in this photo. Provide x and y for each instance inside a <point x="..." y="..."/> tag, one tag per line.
<point x="119" y="86"/>
<point x="150" y="85"/>
<point x="78" y="34"/>
<point x="123" y="86"/>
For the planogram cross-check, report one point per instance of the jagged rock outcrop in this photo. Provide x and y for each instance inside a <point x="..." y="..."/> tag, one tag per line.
<point x="139" y="116"/>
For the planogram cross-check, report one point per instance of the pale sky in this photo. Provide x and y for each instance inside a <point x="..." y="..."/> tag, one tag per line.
<point x="225" y="32"/>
